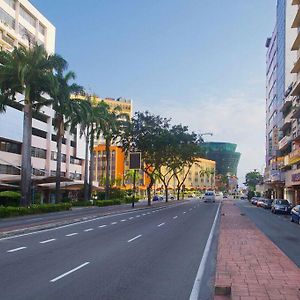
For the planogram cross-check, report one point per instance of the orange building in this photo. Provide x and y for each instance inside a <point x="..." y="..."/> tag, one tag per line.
<point x="117" y="158"/>
<point x="119" y="164"/>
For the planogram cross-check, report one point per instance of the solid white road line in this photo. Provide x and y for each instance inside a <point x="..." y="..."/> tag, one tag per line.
<point x="89" y="229"/>
<point x="101" y="226"/>
<point x="71" y="234"/>
<point x="197" y="284"/>
<point x="136" y="237"/>
<point x="69" y="272"/>
<point x="175" y="217"/>
<point x="47" y="241"/>
<point x="113" y="223"/>
<point x="162" y="224"/>
<point x="16" y="249"/>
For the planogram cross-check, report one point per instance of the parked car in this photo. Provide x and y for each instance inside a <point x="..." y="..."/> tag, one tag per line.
<point x="267" y="203"/>
<point x="155" y="198"/>
<point x="281" y="206"/>
<point x="254" y="200"/>
<point x="260" y="202"/>
<point x="209" y="196"/>
<point x="295" y="214"/>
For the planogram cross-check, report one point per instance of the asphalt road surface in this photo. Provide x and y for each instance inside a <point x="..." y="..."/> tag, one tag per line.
<point x="278" y="228"/>
<point x="149" y="254"/>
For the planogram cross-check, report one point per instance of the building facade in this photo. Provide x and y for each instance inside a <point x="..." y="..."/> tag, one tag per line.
<point x="20" y="25"/>
<point x="225" y="156"/>
<point x="282" y="130"/>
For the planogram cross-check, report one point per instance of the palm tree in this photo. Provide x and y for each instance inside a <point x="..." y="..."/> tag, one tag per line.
<point x="113" y="127"/>
<point x="27" y="72"/>
<point x="90" y="116"/>
<point x="60" y="93"/>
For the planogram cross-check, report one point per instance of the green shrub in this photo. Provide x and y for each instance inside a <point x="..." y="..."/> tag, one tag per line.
<point x="82" y="203"/>
<point x="10" y="198"/>
<point x="128" y="199"/>
<point x="10" y="211"/>
<point x="108" y="202"/>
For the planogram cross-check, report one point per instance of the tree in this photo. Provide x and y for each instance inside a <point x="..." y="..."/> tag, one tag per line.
<point x="60" y="93"/>
<point x="143" y="134"/>
<point x="252" y="179"/>
<point x="185" y="153"/>
<point x="114" y="124"/>
<point x="91" y="118"/>
<point x="26" y="72"/>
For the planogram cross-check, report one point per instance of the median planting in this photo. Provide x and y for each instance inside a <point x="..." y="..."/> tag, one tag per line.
<point x="11" y="211"/>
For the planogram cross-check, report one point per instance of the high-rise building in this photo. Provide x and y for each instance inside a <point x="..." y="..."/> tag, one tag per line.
<point x="280" y="120"/>
<point x="21" y="25"/>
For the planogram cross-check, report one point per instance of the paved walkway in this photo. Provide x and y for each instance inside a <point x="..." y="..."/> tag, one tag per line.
<point x="249" y="264"/>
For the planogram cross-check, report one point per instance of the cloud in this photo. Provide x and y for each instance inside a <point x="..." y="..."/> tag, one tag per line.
<point x="238" y="119"/>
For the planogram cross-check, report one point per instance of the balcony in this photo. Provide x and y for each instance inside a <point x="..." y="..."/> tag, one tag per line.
<point x="296" y="22"/>
<point x="287" y="104"/>
<point x="296" y="113"/>
<point x="284" y="142"/>
<point x="296" y="43"/>
<point x="296" y="67"/>
<point x="295" y="2"/>
<point x="286" y="125"/>
<point x="296" y="89"/>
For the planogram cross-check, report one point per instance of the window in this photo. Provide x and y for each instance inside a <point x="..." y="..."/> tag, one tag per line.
<point x="53" y="173"/>
<point x="37" y="172"/>
<point x="38" y="132"/>
<point x="75" y="176"/>
<point x="26" y="34"/>
<point x="73" y="144"/>
<point x="11" y="170"/>
<point x="38" y="152"/>
<point x="75" y="161"/>
<point x="11" y="3"/>
<point x="42" y="29"/>
<point x="54" y="156"/>
<point x="27" y="16"/>
<point x="54" y="139"/>
<point x="7" y="19"/>
<point x="8" y="146"/>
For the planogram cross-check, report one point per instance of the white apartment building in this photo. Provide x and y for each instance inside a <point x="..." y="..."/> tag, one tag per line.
<point x="21" y="23"/>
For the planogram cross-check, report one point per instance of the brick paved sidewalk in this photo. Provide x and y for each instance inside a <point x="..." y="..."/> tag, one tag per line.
<point x="250" y="264"/>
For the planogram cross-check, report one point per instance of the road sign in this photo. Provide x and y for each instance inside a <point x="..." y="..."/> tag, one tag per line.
<point x="135" y="160"/>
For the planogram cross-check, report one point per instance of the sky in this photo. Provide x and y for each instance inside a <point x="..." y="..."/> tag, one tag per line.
<point x="199" y="62"/>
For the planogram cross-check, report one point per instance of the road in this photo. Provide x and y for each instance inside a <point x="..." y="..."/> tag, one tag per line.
<point x="278" y="228"/>
<point x="148" y="254"/>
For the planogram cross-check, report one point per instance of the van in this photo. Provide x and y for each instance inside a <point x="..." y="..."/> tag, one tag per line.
<point x="209" y="196"/>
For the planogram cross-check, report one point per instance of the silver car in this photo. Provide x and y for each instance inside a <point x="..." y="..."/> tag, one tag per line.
<point x="209" y="196"/>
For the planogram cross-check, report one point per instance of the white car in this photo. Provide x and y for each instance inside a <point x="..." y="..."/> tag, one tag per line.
<point x="209" y="196"/>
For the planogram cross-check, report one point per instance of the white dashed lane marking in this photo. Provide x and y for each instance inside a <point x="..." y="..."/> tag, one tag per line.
<point x="175" y="217"/>
<point x="101" y="226"/>
<point x="89" y="229"/>
<point x="16" y="249"/>
<point x="72" y="234"/>
<point x="162" y="224"/>
<point x="136" y="237"/>
<point x="113" y="223"/>
<point x="47" y="241"/>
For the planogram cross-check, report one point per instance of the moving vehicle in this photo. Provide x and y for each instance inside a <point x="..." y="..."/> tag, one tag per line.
<point x="295" y="214"/>
<point x="281" y="206"/>
<point x="209" y="196"/>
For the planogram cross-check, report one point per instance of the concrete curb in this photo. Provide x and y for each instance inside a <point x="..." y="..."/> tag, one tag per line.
<point x="50" y="225"/>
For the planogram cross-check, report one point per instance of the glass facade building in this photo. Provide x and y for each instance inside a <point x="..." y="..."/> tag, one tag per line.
<point x="225" y="156"/>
